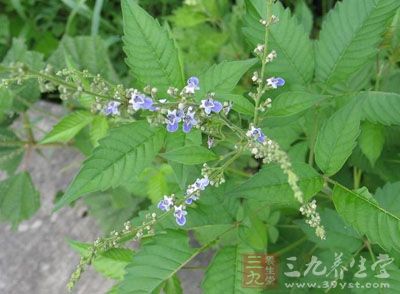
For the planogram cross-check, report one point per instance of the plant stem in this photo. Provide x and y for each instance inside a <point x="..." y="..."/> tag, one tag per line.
<point x="261" y="86"/>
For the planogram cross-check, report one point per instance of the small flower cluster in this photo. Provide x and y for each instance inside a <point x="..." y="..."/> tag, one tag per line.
<point x="267" y="149"/>
<point x="192" y="194"/>
<point x="113" y="240"/>
<point x="313" y="218"/>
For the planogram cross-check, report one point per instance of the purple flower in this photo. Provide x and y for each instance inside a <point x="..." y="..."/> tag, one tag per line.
<point x="275" y="82"/>
<point x="173" y="119"/>
<point x="112" y="108"/>
<point x="190" y="199"/>
<point x="189" y="121"/>
<point x="179" y="214"/>
<point x="257" y="134"/>
<point x="201" y="184"/>
<point x="140" y="101"/>
<point x="166" y="203"/>
<point x="211" y="105"/>
<point x="192" y="85"/>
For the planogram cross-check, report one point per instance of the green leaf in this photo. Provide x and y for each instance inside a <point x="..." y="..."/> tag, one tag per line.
<point x="124" y="153"/>
<point x="338" y="234"/>
<point x="19" y="199"/>
<point x="240" y="103"/>
<point x="290" y="103"/>
<point x="6" y="102"/>
<point x="367" y="217"/>
<point x="388" y="197"/>
<point x="190" y="155"/>
<point x="295" y="60"/>
<point x="337" y="139"/>
<point x="110" y="263"/>
<point x="304" y="15"/>
<point x="112" y="208"/>
<point x="222" y="78"/>
<point x="183" y="173"/>
<point x="151" y="53"/>
<point x="68" y="127"/>
<point x="380" y="107"/>
<point x="11" y="151"/>
<point x="225" y="272"/>
<point x="253" y="232"/>
<point x="187" y="16"/>
<point x="28" y="92"/>
<point x="350" y="37"/>
<point x="371" y="141"/>
<point x="98" y="129"/>
<point x="270" y="185"/>
<point x="84" y="53"/>
<point x="173" y="286"/>
<point x="157" y="261"/>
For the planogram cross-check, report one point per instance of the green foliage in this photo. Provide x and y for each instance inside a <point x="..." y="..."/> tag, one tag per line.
<point x="270" y="185"/>
<point x="84" y="52"/>
<point x="151" y="53"/>
<point x="337" y="117"/>
<point x="350" y="36"/>
<point x="157" y="262"/>
<point x="288" y="39"/>
<point x="223" y="77"/>
<point x="371" y="141"/>
<point x="291" y="103"/>
<point x="337" y="139"/>
<point x="19" y="199"/>
<point x="68" y="127"/>
<point x="118" y="158"/>
<point x="224" y="273"/>
<point x="364" y="214"/>
<point x="190" y="155"/>
<point x="111" y="263"/>
<point x="11" y="151"/>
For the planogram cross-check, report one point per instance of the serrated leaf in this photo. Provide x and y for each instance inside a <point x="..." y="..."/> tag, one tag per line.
<point x="110" y="263"/>
<point x="380" y="107"/>
<point x="291" y="103"/>
<point x="367" y="217"/>
<point x="295" y="60"/>
<point x="350" y="36"/>
<point x="11" y="151"/>
<point x="67" y="128"/>
<point x="156" y="262"/>
<point x="124" y="153"/>
<point x="253" y="232"/>
<point x="222" y="78"/>
<point x="98" y="129"/>
<point x="190" y="155"/>
<point x="337" y="139"/>
<point x="270" y="185"/>
<point x="371" y="141"/>
<point x="388" y="197"/>
<point x="224" y="274"/>
<point x="19" y="199"/>
<point x="151" y="53"/>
